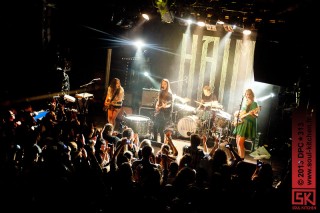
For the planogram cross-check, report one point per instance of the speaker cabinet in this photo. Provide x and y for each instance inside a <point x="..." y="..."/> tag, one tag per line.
<point x="149" y="97"/>
<point x="147" y="111"/>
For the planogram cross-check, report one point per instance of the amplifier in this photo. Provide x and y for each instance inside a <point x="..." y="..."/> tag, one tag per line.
<point x="147" y="111"/>
<point x="149" y="97"/>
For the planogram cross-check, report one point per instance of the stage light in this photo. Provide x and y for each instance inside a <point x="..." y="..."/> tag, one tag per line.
<point x="246" y="32"/>
<point x="261" y="99"/>
<point x="201" y="24"/>
<point x="189" y="21"/>
<point x="220" y="22"/>
<point x="139" y="43"/>
<point x="145" y="16"/>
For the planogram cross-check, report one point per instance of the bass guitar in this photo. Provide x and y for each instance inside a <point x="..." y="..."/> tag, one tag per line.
<point x="238" y="118"/>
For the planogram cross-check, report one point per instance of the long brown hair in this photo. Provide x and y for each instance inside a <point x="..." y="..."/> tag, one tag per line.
<point x="165" y="93"/>
<point x="113" y="84"/>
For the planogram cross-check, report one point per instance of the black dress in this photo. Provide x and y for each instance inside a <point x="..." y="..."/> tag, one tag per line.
<point x="162" y="117"/>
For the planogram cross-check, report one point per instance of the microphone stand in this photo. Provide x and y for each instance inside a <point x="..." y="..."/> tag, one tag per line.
<point x="171" y="113"/>
<point x="238" y="116"/>
<point x="85" y="85"/>
<point x="84" y="109"/>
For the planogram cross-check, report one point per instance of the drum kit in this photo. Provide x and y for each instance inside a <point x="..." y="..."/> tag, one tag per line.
<point x="213" y="121"/>
<point x="186" y="119"/>
<point x="80" y="101"/>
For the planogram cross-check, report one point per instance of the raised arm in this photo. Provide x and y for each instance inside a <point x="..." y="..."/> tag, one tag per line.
<point x="171" y="144"/>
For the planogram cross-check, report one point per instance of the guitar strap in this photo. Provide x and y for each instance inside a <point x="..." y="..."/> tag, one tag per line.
<point x="114" y="95"/>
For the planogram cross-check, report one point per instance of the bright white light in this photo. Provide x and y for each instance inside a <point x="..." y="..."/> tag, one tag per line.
<point x="261" y="99"/>
<point x="146" y="74"/>
<point x="201" y="24"/>
<point x="246" y="32"/>
<point x="139" y="43"/>
<point x="145" y="16"/>
<point x="220" y="22"/>
<point x="189" y="21"/>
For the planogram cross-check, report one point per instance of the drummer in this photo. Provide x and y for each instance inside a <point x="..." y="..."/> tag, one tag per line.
<point x="204" y="110"/>
<point x="207" y="96"/>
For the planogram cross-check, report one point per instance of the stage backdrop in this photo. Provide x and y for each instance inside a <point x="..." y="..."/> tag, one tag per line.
<point x="191" y="59"/>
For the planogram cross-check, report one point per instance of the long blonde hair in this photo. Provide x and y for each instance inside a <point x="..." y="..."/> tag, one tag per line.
<point x="250" y="98"/>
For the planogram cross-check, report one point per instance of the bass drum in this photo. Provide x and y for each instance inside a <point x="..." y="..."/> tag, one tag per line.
<point x="139" y="124"/>
<point x="187" y="125"/>
<point x="222" y="119"/>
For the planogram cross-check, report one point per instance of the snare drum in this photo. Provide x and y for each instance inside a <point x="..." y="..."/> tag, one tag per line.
<point x="69" y="98"/>
<point x="188" y="125"/>
<point x="139" y="124"/>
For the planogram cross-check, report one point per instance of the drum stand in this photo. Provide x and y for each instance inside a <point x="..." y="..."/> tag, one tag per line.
<point x="206" y="125"/>
<point x="220" y="135"/>
<point x="212" y="129"/>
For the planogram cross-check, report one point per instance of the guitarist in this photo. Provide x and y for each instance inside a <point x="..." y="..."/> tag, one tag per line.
<point x="246" y="126"/>
<point x="163" y="109"/>
<point x="113" y="101"/>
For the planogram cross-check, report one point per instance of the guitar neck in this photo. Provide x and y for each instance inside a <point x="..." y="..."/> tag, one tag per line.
<point x="256" y="110"/>
<point x="238" y="119"/>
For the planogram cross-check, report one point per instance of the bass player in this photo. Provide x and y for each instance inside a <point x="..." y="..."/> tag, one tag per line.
<point x="246" y="122"/>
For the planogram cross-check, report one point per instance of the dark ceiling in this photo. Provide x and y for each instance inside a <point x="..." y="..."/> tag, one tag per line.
<point x="34" y="30"/>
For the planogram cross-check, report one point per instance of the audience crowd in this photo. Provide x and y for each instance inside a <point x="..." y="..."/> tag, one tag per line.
<point x="59" y="161"/>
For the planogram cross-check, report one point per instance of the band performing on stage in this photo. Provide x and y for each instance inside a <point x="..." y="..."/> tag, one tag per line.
<point x="207" y="116"/>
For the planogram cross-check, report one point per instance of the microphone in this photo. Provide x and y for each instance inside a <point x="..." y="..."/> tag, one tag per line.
<point x="96" y="79"/>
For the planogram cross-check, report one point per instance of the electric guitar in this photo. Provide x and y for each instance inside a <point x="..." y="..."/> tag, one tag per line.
<point x="238" y="118"/>
<point x="106" y="106"/>
<point x="164" y="105"/>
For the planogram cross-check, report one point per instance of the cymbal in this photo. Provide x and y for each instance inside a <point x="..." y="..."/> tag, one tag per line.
<point x="186" y="100"/>
<point x="185" y="107"/>
<point x="182" y="100"/>
<point x="213" y="104"/>
<point x="223" y="114"/>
